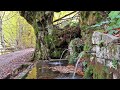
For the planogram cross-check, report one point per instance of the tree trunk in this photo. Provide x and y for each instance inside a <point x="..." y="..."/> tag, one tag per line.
<point x="40" y="22"/>
<point x="2" y="38"/>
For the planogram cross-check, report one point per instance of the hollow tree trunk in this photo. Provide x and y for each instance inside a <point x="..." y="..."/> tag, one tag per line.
<point x="40" y="21"/>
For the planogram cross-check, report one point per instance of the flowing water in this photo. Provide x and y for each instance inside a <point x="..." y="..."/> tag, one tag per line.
<point x="62" y="55"/>
<point x="75" y="68"/>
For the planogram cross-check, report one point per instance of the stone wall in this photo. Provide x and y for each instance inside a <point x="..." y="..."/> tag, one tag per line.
<point x="106" y="48"/>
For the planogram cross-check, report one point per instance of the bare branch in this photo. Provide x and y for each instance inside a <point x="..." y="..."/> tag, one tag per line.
<point x="64" y="16"/>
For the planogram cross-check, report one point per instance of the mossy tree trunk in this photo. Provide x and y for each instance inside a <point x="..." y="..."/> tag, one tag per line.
<point x="40" y="20"/>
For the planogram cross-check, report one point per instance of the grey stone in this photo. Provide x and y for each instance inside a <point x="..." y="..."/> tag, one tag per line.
<point x="106" y="38"/>
<point x="102" y="61"/>
<point x="110" y="48"/>
<point x="109" y="63"/>
<point x="96" y="37"/>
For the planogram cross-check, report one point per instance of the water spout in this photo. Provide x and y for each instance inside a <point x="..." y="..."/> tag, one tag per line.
<point x="75" y="68"/>
<point x="62" y="55"/>
<point x="79" y="57"/>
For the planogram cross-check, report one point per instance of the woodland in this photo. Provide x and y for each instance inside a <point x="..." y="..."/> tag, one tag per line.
<point x="59" y="44"/>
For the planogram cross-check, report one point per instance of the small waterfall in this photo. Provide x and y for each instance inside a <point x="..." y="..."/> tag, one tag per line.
<point x="62" y="55"/>
<point x="75" y="68"/>
<point x="78" y="58"/>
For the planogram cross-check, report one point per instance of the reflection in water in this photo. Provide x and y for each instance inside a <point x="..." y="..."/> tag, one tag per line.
<point x="32" y="74"/>
<point x="42" y="71"/>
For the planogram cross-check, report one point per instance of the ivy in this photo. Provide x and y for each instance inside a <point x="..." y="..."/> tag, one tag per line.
<point x="114" y="20"/>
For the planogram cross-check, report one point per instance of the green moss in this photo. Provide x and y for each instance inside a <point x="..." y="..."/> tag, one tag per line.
<point x="77" y="47"/>
<point x="97" y="71"/>
<point x="101" y="72"/>
<point x="73" y="58"/>
<point x="101" y="30"/>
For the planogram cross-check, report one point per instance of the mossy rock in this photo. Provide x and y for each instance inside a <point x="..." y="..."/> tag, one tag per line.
<point x="76" y="46"/>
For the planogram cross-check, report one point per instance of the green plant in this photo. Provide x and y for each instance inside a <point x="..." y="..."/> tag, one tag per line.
<point x="98" y="72"/>
<point x="73" y="24"/>
<point x="115" y="63"/>
<point x="76" y="50"/>
<point x="87" y="47"/>
<point x="73" y="58"/>
<point x="114" y="21"/>
<point x="84" y="63"/>
<point x="82" y="54"/>
<point x="88" y="72"/>
<point x="56" y="53"/>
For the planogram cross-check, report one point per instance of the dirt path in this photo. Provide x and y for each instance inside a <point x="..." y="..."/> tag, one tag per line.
<point x="11" y="61"/>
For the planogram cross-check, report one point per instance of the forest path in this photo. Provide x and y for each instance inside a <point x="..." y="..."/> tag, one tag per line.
<point x="12" y="61"/>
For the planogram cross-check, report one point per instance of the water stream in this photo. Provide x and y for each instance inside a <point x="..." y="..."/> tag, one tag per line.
<point x="62" y="56"/>
<point x="75" y="68"/>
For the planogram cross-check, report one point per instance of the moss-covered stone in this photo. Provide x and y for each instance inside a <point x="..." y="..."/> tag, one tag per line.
<point x="59" y="40"/>
<point x="75" y="47"/>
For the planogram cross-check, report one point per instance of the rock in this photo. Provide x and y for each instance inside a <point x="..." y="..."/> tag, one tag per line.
<point x="75" y="47"/>
<point x="109" y="64"/>
<point x="77" y="42"/>
<point x="110" y="48"/>
<point x="106" y="38"/>
<point x="102" y="61"/>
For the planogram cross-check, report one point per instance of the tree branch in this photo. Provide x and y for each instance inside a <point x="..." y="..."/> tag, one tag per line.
<point x="64" y="16"/>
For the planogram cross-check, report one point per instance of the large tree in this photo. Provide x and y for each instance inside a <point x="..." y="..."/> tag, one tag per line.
<point x="41" y="22"/>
